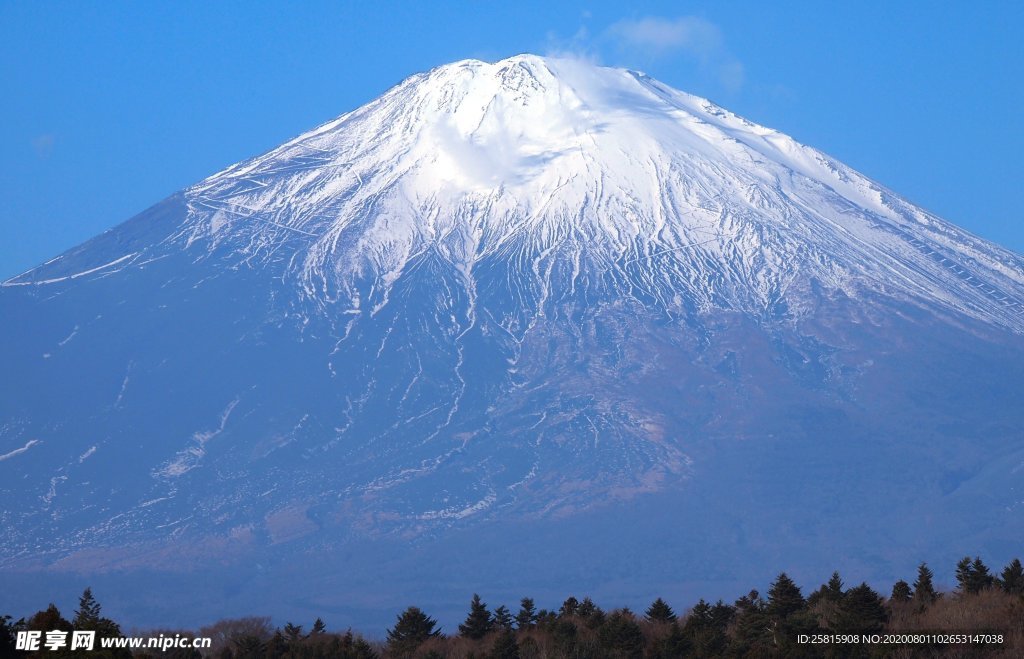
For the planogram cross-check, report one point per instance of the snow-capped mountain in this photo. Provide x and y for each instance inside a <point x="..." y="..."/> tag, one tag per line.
<point x="499" y="303"/>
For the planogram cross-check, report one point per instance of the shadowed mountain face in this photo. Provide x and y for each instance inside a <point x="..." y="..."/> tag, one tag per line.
<point x="526" y="326"/>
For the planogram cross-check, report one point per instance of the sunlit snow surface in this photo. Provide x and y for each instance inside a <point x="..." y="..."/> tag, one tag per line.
<point x="505" y="299"/>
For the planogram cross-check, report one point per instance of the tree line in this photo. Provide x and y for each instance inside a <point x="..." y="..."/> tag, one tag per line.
<point x="754" y="625"/>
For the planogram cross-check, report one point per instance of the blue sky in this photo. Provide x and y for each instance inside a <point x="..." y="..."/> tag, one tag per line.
<point x="109" y="107"/>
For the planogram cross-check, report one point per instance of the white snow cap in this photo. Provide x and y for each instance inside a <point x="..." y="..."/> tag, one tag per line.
<point x="538" y="158"/>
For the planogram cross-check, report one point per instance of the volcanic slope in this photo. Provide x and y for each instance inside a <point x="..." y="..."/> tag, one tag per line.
<point x="593" y="327"/>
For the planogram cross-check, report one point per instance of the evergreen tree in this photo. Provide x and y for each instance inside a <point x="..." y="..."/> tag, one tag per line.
<point x="569" y="607"/>
<point x="88" y="614"/>
<point x="660" y="611"/>
<point x="1013" y="578"/>
<point x="834" y="588"/>
<point x="721" y="615"/>
<point x="594" y="618"/>
<point x="292" y="633"/>
<point x="348" y="646"/>
<point x="963" y="574"/>
<point x="823" y="604"/>
<point x="699" y="616"/>
<point x="502" y="618"/>
<point x="621" y="637"/>
<point x="479" y="622"/>
<point x="787" y="615"/>
<point x="832" y="591"/>
<point x="784" y="598"/>
<point x="973" y="576"/>
<point x="981" y="578"/>
<point x="751" y="635"/>
<point x="88" y="618"/>
<point x="362" y="650"/>
<point x="924" y="590"/>
<point x="901" y="592"/>
<point x="704" y="629"/>
<point x="676" y="644"/>
<point x="527" y="615"/>
<point x="862" y="611"/>
<point x="546" y="619"/>
<point x="587" y="608"/>
<point x="318" y="627"/>
<point x="505" y="646"/>
<point x="412" y="628"/>
<point x="752" y="602"/>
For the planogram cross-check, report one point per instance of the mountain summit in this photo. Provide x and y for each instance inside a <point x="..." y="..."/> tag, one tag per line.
<point x="532" y="304"/>
<point x="554" y="160"/>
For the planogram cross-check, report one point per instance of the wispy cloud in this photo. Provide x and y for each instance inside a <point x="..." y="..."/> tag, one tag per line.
<point x="579" y="46"/>
<point x="645" y="41"/>
<point x="658" y="38"/>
